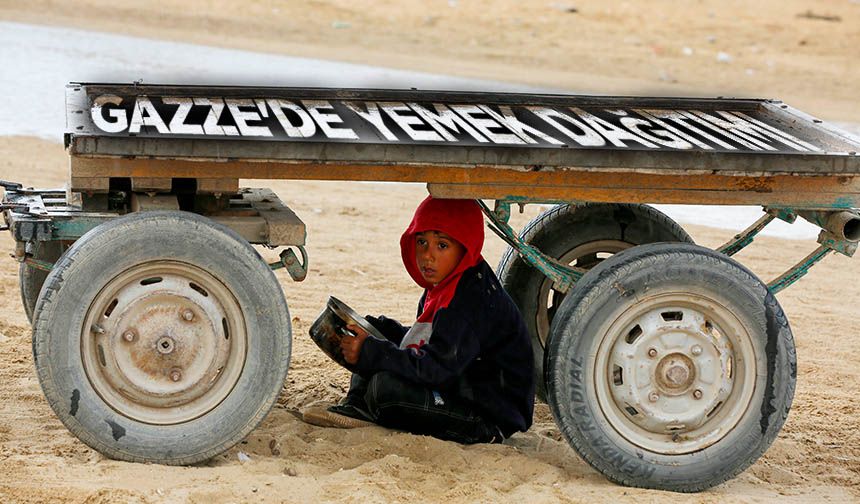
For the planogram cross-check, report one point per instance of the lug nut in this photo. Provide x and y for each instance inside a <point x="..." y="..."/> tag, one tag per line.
<point x="188" y="315"/>
<point x="128" y="335"/>
<point x="696" y="350"/>
<point x="697" y="394"/>
<point x="653" y="396"/>
<point x="652" y="352"/>
<point x="175" y="375"/>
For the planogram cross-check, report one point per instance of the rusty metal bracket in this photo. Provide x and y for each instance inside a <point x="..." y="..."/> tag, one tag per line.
<point x="36" y="263"/>
<point x="836" y="244"/>
<point x="562" y="275"/>
<point x="297" y="270"/>
<point x="502" y="210"/>
<point x="788" y="215"/>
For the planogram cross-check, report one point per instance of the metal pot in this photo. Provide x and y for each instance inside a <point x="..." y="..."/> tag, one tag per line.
<point x="330" y="327"/>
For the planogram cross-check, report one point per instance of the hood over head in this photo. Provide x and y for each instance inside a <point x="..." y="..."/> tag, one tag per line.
<point x="463" y="221"/>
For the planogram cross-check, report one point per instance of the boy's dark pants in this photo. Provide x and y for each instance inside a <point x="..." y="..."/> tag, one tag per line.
<point x="394" y="402"/>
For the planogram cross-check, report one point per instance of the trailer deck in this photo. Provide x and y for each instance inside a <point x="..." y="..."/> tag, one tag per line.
<point x="463" y="145"/>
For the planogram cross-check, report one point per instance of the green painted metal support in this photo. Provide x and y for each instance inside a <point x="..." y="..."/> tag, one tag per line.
<point x="799" y="270"/>
<point x="788" y="215"/>
<point x="746" y="236"/>
<point x="73" y="228"/>
<point x="827" y="243"/>
<point x="562" y="275"/>
<point x="36" y="263"/>
<point x="844" y="247"/>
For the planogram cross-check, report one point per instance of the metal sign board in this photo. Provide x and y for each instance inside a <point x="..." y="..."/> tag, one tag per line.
<point x="452" y="128"/>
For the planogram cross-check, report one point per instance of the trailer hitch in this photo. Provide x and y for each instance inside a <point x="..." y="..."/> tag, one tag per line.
<point x="297" y="270"/>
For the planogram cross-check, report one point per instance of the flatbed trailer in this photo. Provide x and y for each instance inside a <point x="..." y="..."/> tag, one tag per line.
<point x="160" y="335"/>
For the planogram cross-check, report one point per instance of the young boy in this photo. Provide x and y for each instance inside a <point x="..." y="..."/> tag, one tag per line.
<point x="463" y="370"/>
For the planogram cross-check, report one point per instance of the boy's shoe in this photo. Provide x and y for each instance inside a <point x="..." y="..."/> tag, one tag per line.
<point x="351" y="409"/>
<point x="324" y="417"/>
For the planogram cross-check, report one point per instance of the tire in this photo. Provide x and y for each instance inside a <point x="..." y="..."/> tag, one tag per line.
<point x="630" y="357"/>
<point x="129" y="348"/>
<point x="30" y="279"/>
<point x="582" y="235"/>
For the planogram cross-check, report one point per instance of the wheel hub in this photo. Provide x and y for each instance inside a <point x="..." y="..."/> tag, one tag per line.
<point x="165" y="345"/>
<point x="675" y="373"/>
<point x="170" y="344"/>
<point x="172" y="360"/>
<point x="672" y="374"/>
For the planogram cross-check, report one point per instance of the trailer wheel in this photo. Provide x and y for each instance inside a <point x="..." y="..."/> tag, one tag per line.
<point x="581" y="235"/>
<point x="161" y="337"/>
<point x="30" y="279"/>
<point x="670" y="366"/>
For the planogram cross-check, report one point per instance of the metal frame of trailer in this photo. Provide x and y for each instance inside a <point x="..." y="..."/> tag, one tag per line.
<point x="144" y="155"/>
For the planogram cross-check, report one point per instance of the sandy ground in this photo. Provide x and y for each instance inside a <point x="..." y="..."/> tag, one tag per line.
<point x="618" y="47"/>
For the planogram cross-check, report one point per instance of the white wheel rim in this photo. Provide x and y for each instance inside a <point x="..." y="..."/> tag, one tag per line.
<point x="549" y="299"/>
<point x="164" y="342"/>
<point x="675" y="372"/>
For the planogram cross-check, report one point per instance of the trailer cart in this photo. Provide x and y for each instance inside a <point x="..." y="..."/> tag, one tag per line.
<point x="160" y="334"/>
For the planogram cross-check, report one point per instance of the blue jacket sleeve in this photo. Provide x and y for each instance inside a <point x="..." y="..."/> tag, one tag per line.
<point x="452" y="346"/>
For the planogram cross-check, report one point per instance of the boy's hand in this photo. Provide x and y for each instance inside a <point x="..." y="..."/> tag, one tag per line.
<point x="351" y="347"/>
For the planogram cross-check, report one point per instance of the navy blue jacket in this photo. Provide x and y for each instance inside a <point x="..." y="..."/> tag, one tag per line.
<point x="479" y="349"/>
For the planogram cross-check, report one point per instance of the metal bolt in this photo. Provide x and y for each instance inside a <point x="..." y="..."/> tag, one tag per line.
<point x="697" y="394"/>
<point x="696" y="350"/>
<point x="188" y="315"/>
<point x="20" y="251"/>
<point x="652" y="352"/>
<point x="165" y="345"/>
<point x="653" y="396"/>
<point x="175" y="375"/>
<point x="128" y="335"/>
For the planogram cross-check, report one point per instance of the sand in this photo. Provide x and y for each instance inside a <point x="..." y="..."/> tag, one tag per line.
<point x="354" y="229"/>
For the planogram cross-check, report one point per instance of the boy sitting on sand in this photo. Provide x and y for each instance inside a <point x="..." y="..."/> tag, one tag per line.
<point x="463" y="370"/>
